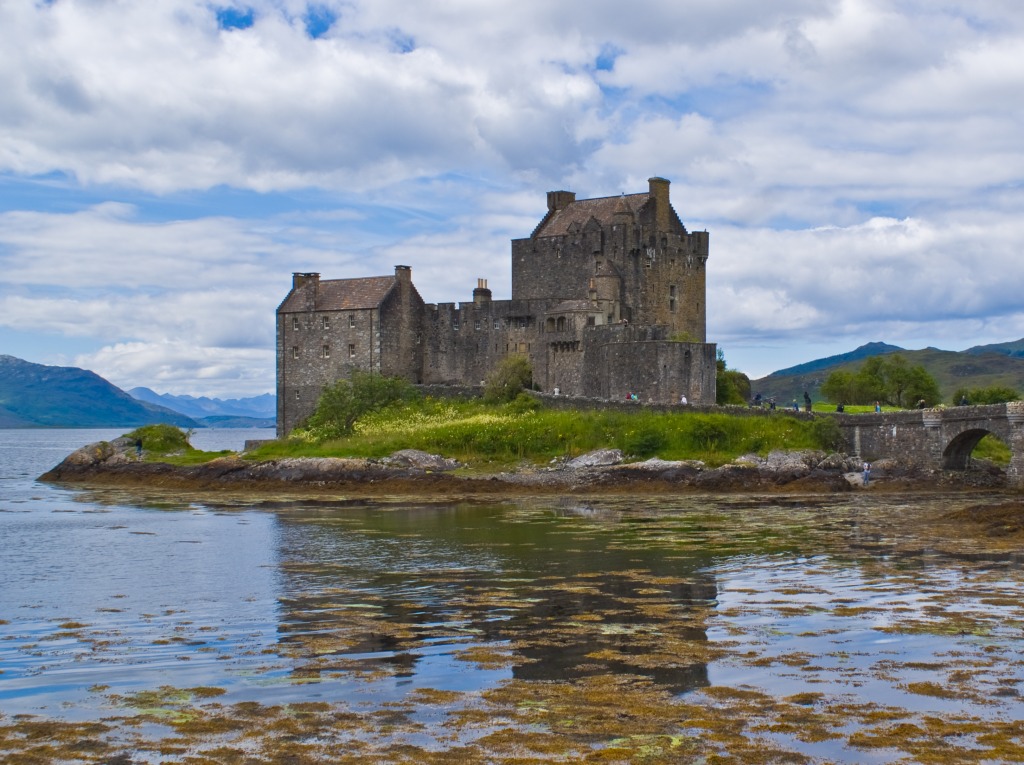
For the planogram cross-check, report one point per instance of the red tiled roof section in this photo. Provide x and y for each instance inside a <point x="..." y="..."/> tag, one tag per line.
<point x="343" y="294"/>
<point x="582" y="210"/>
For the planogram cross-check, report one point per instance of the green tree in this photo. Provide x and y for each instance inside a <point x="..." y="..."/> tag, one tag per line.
<point x="342" y="404"/>
<point x="731" y="386"/>
<point x="840" y="388"/>
<point x="508" y="379"/>
<point x="888" y="378"/>
<point x="921" y="387"/>
<point x="994" y="394"/>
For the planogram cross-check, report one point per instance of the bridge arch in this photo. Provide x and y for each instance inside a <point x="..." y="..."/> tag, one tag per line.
<point x="957" y="454"/>
<point x="938" y="438"/>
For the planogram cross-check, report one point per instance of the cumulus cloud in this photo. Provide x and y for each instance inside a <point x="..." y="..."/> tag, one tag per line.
<point x="856" y="161"/>
<point x="181" y="366"/>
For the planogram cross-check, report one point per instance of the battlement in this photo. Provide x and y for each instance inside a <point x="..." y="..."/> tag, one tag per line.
<point x="599" y="288"/>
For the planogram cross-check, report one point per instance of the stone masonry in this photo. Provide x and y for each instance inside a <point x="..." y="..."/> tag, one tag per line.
<point x="937" y="438"/>
<point x="608" y="298"/>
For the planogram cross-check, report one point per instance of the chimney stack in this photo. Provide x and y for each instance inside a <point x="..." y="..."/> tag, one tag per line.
<point x="403" y="274"/>
<point x="659" y="192"/>
<point x="299" y="279"/>
<point x="558" y="200"/>
<point x="481" y="294"/>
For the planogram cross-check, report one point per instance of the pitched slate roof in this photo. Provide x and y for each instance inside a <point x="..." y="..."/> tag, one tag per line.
<point x="582" y="210"/>
<point x="341" y="294"/>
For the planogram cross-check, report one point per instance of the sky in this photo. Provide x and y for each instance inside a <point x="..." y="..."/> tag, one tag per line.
<point x="166" y="165"/>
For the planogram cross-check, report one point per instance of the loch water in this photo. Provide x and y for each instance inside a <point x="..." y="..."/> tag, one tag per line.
<point x="860" y="627"/>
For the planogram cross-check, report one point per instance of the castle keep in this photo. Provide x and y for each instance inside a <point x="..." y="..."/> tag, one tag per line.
<point x="608" y="297"/>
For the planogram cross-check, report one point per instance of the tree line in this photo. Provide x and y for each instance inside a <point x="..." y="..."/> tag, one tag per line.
<point x="892" y="381"/>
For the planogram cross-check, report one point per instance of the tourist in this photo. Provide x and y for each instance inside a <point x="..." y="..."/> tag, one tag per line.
<point x="878" y="408"/>
<point x="682" y="400"/>
<point x="867" y="473"/>
<point x="840" y="407"/>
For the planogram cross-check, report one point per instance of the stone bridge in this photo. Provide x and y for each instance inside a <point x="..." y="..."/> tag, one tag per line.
<point x="938" y="437"/>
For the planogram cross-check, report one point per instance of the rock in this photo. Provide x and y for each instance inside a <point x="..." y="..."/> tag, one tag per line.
<point x="90" y="455"/>
<point x="596" y="458"/>
<point x="728" y="477"/>
<point x="414" y="458"/>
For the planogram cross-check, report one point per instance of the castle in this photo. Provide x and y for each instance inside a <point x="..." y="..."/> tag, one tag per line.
<point x="608" y="298"/>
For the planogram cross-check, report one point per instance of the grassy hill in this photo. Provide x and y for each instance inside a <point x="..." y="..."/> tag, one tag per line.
<point x="35" y="395"/>
<point x="979" y="367"/>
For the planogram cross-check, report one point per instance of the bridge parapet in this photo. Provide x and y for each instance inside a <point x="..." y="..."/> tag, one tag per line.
<point x="940" y="437"/>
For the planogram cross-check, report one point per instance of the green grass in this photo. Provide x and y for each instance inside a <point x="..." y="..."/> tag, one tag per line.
<point x="821" y="406"/>
<point x="168" y="443"/>
<point x="992" y="449"/>
<point x="162" y="439"/>
<point x="482" y="434"/>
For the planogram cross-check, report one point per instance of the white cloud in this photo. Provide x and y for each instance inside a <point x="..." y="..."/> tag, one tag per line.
<point x="857" y="162"/>
<point x="180" y="367"/>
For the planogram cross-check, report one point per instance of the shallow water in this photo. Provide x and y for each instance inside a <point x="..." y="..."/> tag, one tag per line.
<point x="848" y="628"/>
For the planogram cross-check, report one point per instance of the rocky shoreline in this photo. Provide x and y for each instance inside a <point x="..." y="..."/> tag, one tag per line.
<point x="419" y="473"/>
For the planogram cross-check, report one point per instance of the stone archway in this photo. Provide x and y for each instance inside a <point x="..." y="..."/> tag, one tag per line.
<point x="958" y="451"/>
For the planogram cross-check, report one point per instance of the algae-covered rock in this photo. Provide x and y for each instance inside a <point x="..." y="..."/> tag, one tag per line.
<point x="414" y="458"/>
<point x="91" y="454"/>
<point x="596" y="458"/>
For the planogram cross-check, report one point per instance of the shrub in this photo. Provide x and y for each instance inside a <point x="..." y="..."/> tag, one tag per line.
<point x="709" y="435"/>
<point x="645" y="441"/>
<point x="162" y="438"/>
<point x="828" y="434"/>
<point x="508" y="379"/>
<point x="344" y="402"/>
<point x="524" y="403"/>
<point x="995" y="394"/>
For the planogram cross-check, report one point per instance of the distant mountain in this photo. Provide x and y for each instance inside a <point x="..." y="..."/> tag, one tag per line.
<point x="36" y="395"/>
<point x="866" y="350"/>
<point x="980" y="367"/>
<point x="1013" y="348"/>
<point x="260" y="407"/>
<point x="227" y="421"/>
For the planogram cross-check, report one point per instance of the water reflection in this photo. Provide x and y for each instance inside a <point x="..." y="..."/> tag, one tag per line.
<point x="835" y="629"/>
<point x="537" y="590"/>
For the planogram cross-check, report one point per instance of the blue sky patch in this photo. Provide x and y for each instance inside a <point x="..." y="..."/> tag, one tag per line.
<point x="605" y="60"/>
<point x="235" y="18"/>
<point x="319" y="20"/>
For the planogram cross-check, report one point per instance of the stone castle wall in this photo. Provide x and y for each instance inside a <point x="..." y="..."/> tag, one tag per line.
<point x="608" y="297"/>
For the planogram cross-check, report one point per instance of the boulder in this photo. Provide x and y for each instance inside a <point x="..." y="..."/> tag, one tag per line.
<point x="596" y="458"/>
<point x="414" y="458"/>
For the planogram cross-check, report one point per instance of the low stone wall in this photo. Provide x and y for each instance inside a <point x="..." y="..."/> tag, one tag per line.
<point x="603" y="404"/>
